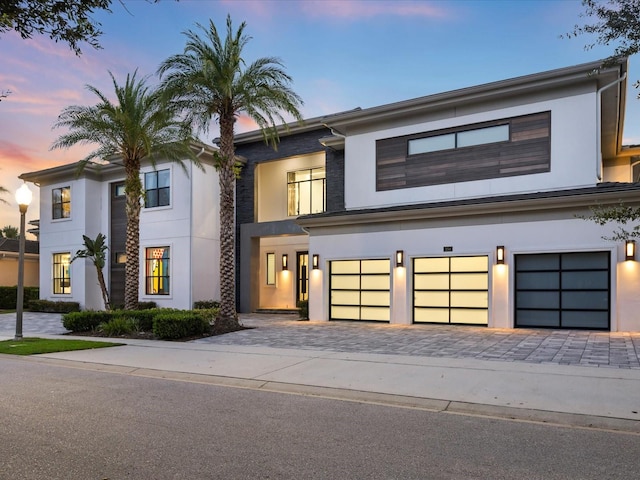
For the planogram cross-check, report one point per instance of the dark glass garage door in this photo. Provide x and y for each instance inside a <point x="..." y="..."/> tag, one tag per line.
<point x="563" y="290"/>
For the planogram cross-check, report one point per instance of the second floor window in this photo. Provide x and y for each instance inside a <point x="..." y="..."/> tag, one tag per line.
<point x="306" y="191"/>
<point x="61" y="202"/>
<point x="157" y="189"/>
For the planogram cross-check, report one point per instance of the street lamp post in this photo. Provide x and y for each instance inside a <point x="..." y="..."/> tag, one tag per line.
<point x="23" y="197"/>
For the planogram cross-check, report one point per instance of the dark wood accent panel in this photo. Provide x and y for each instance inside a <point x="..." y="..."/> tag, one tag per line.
<point x="117" y="239"/>
<point x="528" y="151"/>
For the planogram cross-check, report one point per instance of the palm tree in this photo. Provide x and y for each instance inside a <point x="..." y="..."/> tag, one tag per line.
<point x="141" y="125"/>
<point x="96" y="251"/>
<point x="211" y="79"/>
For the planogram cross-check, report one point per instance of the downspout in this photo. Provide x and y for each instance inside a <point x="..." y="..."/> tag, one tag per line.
<point x="599" y="124"/>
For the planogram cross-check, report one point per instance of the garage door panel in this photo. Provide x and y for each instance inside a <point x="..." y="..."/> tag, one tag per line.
<point x="585" y="280"/>
<point x="345" y="266"/>
<point x="375" y="266"/>
<point x="435" y="264"/>
<point x="538" y="299"/>
<point x="469" y="281"/>
<point x="378" y="314"/>
<point x="431" y="315"/>
<point x="595" y="320"/>
<point x="431" y="281"/>
<point x="345" y="313"/>
<point x="538" y="280"/>
<point x="377" y="282"/>
<point x="431" y="299"/>
<point x="585" y="261"/>
<point x="473" y="317"/>
<point x="538" y="318"/>
<point x="345" y="298"/>
<point x="351" y="282"/>
<point x="469" y="264"/>
<point x="374" y="298"/>
<point x="470" y="299"/>
<point x="538" y="262"/>
<point x="585" y="300"/>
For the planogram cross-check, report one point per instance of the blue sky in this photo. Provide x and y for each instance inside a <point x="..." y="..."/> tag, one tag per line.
<point x="341" y="54"/>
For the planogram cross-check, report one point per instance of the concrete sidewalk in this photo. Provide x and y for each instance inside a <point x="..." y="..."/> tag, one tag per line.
<point x="550" y="392"/>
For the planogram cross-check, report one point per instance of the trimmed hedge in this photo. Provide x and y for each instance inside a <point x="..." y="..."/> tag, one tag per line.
<point x="206" y="304"/>
<point x="49" y="306"/>
<point x="303" y="309"/>
<point x="9" y="296"/>
<point x="85" y="321"/>
<point x="177" y="324"/>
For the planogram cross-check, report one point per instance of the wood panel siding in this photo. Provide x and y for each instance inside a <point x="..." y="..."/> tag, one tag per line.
<point x="117" y="241"/>
<point x="528" y="151"/>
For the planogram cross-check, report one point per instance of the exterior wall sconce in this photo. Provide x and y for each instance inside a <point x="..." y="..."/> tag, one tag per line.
<point x="630" y="250"/>
<point x="399" y="258"/>
<point x="315" y="261"/>
<point x="285" y="261"/>
<point x="500" y="255"/>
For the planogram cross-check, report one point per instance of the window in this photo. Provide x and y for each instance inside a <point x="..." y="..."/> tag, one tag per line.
<point x="157" y="188"/>
<point x="306" y="191"/>
<point x="467" y="138"/>
<point x="61" y="273"/>
<point x="157" y="271"/>
<point x="61" y="202"/>
<point x="118" y="190"/>
<point x="271" y="268"/>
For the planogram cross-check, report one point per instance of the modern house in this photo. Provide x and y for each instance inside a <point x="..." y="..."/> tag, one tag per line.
<point x="462" y="207"/>
<point x="9" y="250"/>
<point x="179" y="234"/>
<point x="457" y="208"/>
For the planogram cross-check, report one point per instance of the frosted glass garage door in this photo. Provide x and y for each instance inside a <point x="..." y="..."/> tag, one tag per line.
<point x="360" y="290"/>
<point x="451" y="290"/>
<point x="563" y="290"/>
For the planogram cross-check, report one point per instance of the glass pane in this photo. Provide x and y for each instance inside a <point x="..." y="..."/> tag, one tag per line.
<point x="375" y="298"/>
<point x="379" y="282"/>
<point x="585" y="320"/>
<point x="585" y="280"/>
<point x="537" y="318"/>
<point x="304" y="198"/>
<point x="345" y="313"/>
<point x="481" y="136"/>
<point x="371" y="313"/>
<point x="151" y="198"/>
<point x="292" y="199"/>
<point x="470" y="299"/>
<point x="424" y="265"/>
<point x="56" y="194"/>
<point x="376" y="266"/>
<point x="586" y="300"/>
<point x="585" y="261"/>
<point x="163" y="196"/>
<point x="431" y="299"/>
<point x="271" y="268"/>
<point x="163" y="178"/>
<point x="66" y="194"/>
<point x="538" y="262"/>
<point x="57" y="210"/>
<point x="538" y="280"/>
<point x="66" y="210"/>
<point x="431" y="282"/>
<point x="431" y="315"/>
<point x="119" y="190"/>
<point x="345" y="297"/>
<point x="432" y="144"/>
<point x="474" y="317"/>
<point x="317" y="196"/>
<point x="150" y="181"/>
<point x="538" y="299"/>
<point x="470" y="264"/>
<point x="345" y="281"/>
<point x="318" y="173"/>
<point x="469" y="281"/>
<point x="345" y="266"/>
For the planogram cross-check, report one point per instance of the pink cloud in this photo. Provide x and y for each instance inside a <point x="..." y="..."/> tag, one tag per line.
<point x="357" y="9"/>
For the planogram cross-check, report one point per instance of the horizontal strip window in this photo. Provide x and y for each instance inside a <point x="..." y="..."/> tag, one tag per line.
<point x="467" y="138"/>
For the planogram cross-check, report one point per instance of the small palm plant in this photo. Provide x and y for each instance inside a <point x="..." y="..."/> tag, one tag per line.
<point x="96" y="251"/>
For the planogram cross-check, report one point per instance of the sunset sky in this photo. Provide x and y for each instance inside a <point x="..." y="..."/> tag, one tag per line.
<point x="341" y="54"/>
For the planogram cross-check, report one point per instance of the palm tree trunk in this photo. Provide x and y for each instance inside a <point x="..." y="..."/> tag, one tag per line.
<point x="228" y="318"/>
<point x="133" y="189"/>
<point x="103" y="289"/>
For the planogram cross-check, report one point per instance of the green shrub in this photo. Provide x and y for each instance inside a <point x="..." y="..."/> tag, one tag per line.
<point x="206" y="304"/>
<point x="119" y="326"/>
<point x="144" y="318"/>
<point x="9" y="296"/>
<point x="172" y="325"/>
<point x="49" y="306"/>
<point x="146" y="305"/>
<point x="303" y="309"/>
<point x="85" y="321"/>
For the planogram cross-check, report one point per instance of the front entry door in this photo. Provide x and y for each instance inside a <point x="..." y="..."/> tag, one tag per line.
<point x="302" y="276"/>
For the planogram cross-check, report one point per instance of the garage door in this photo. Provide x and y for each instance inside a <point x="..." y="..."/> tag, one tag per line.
<point x="360" y="290"/>
<point x="451" y="290"/>
<point x="563" y="290"/>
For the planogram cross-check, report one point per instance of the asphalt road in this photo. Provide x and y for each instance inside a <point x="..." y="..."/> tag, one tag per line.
<point x="66" y="423"/>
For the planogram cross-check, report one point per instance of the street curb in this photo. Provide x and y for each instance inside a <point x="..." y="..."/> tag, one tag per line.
<point x="428" y="404"/>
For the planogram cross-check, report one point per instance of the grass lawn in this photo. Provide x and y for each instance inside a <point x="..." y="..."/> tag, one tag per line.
<point x="34" y="346"/>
